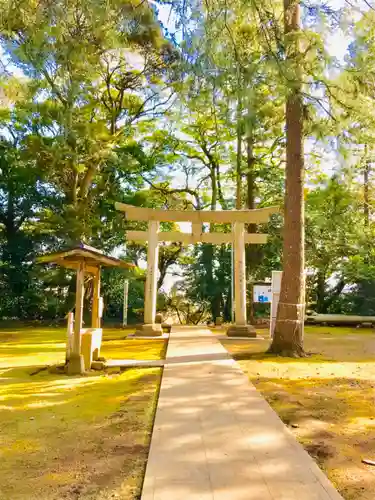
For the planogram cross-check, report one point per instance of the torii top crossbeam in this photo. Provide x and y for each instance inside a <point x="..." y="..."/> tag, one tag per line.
<point x="256" y="216"/>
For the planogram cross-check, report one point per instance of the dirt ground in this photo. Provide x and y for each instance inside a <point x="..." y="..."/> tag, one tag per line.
<point x="327" y="399"/>
<point x="73" y="438"/>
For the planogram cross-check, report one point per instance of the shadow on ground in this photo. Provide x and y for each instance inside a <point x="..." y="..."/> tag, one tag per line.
<point x="327" y="399"/>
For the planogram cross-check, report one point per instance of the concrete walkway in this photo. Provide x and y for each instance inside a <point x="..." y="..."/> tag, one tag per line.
<point x="216" y="438"/>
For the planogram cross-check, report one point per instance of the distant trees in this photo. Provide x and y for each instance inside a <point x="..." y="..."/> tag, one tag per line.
<point x="101" y="103"/>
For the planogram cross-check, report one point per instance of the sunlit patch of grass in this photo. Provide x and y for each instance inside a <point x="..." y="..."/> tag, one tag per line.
<point x="335" y="420"/>
<point x="31" y="346"/>
<point x="56" y="430"/>
<point x="335" y="330"/>
<point x="219" y="330"/>
<point x="73" y="437"/>
<point x="117" y="346"/>
<point x="327" y="398"/>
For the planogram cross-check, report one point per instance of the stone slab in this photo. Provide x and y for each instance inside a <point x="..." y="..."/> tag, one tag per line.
<point x="133" y="363"/>
<point x="247" y="331"/>
<point x="216" y="438"/>
<point x="226" y="337"/>
<point x="163" y="336"/>
<point x="149" y="330"/>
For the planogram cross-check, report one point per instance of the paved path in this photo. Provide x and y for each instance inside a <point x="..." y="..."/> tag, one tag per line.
<point x="216" y="438"/>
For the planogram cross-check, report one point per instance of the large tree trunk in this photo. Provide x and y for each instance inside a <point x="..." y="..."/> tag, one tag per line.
<point x="366" y="198"/>
<point x="208" y="253"/>
<point x="239" y="156"/>
<point x="227" y="310"/>
<point x="251" y="250"/>
<point x="168" y="256"/>
<point x="288" y="334"/>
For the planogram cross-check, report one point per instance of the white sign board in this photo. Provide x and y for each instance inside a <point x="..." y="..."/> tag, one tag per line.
<point x="263" y="293"/>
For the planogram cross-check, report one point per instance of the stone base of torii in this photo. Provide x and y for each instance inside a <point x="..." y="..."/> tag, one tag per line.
<point x="238" y="237"/>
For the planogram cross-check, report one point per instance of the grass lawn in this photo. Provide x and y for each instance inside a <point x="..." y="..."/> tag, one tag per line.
<point x="84" y="437"/>
<point x="327" y="399"/>
<point x="30" y="346"/>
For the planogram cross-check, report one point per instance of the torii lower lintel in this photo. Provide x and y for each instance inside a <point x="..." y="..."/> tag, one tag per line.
<point x="192" y="238"/>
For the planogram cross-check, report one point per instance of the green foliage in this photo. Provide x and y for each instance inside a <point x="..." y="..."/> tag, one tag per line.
<point x="100" y="103"/>
<point x="90" y="72"/>
<point x="90" y="67"/>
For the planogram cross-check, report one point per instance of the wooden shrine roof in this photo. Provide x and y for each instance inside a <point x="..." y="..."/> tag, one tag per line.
<point x="73" y="257"/>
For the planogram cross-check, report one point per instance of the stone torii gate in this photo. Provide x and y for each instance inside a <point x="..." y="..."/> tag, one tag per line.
<point x="238" y="237"/>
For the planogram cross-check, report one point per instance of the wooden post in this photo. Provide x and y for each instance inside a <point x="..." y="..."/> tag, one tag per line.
<point x="80" y="289"/>
<point x="125" y="304"/>
<point x="76" y="364"/>
<point x="69" y="336"/>
<point x="95" y="314"/>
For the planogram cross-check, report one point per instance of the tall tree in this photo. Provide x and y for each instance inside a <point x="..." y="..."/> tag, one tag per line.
<point x="95" y="68"/>
<point x="25" y="198"/>
<point x="288" y="334"/>
<point x="334" y="235"/>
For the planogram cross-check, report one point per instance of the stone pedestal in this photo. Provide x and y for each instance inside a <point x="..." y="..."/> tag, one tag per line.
<point x="149" y="330"/>
<point x="91" y="340"/>
<point x="241" y="331"/>
<point x="76" y="365"/>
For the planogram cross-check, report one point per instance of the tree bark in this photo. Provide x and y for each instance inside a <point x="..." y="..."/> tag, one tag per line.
<point x="239" y="156"/>
<point x="220" y="193"/>
<point x="166" y="260"/>
<point x="366" y="201"/>
<point x="251" y="228"/>
<point x="227" y="310"/>
<point x="250" y="177"/>
<point x="208" y="252"/>
<point x="366" y="197"/>
<point x="289" y="329"/>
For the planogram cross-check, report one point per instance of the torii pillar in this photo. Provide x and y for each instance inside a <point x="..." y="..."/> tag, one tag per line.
<point x="150" y="328"/>
<point x="240" y="328"/>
